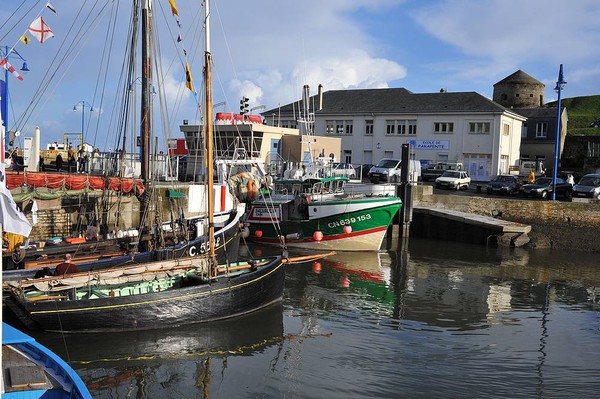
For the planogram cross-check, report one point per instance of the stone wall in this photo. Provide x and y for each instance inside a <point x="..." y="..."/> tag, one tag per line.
<point x="62" y="217"/>
<point x="555" y="224"/>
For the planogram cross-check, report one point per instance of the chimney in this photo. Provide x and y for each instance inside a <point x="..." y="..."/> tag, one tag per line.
<point x="320" y="97"/>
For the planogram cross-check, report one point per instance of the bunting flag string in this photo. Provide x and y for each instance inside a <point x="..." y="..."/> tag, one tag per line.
<point x="51" y="7"/>
<point x="188" y="78"/>
<point x="188" y="74"/>
<point x="40" y="30"/>
<point x="173" y="7"/>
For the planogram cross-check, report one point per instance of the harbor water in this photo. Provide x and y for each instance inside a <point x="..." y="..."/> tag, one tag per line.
<point x="438" y="319"/>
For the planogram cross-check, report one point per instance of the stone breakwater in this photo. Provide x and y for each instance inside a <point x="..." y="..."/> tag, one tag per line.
<point x="554" y="224"/>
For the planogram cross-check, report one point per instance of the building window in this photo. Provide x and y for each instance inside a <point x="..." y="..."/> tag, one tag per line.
<point x="541" y="130"/>
<point x="443" y="127"/>
<point x="338" y="127"/>
<point x="348" y="156"/>
<point x="390" y="127"/>
<point x="388" y="154"/>
<point x="506" y="129"/>
<point x="290" y="124"/>
<point x="479" y="127"/>
<point x="412" y="127"/>
<point x="407" y="127"/>
<point x="369" y="127"/>
<point x="329" y="127"/>
<point x="349" y="127"/>
<point x="401" y="127"/>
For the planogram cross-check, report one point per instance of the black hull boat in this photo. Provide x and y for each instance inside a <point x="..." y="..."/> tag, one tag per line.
<point x="174" y="293"/>
<point x="227" y="241"/>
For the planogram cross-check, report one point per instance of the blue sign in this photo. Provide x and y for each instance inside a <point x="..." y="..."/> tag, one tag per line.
<point x="430" y="144"/>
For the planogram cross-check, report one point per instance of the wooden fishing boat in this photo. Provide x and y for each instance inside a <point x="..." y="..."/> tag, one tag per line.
<point x="226" y="242"/>
<point x="148" y="296"/>
<point x="30" y="370"/>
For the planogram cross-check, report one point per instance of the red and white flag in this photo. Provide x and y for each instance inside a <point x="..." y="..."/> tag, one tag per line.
<point x="4" y="63"/>
<point x="40" y="30"/>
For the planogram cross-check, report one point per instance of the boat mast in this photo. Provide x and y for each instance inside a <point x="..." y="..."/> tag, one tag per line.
<point x="208" y="125"/>
<point x="306" y="122"/>
<point x="145" y="119"/>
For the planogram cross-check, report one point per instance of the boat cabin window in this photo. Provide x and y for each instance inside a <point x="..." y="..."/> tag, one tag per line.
<point x="289" y="188"/>
<point x="317" y="188"/>
<point x="339" y="186"/>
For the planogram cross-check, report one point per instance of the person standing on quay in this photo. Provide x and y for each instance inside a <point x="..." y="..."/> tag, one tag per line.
<point x="531" y="177"/>
<point x="70" y="159"/>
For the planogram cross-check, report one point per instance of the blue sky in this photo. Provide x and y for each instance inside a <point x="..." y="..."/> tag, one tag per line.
<point x="267" y="49"/>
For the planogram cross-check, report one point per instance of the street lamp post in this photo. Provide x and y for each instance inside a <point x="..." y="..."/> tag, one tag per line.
<point x="6" y="53"/>
<point x="560" y="84"/>
<point x="82" y="167"/>
<point x="83" y="104"/>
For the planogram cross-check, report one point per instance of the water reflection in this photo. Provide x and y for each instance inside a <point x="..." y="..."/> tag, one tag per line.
<point x="437" y="320"/>
<point x="162" y="362"/>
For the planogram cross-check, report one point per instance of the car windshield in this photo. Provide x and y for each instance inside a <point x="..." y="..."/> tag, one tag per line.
<point x="504" y="178"/>
<point x="450" y="173"/>
<point x="590" y="181"/>
<point x="543" y="180"/>
<point x="387" y="163"/>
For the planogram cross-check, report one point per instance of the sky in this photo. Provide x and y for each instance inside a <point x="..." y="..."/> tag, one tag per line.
<point x="267" y="50"/>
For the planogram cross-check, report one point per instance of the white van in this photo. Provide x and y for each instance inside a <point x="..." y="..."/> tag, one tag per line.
<point x="390" y="170"/>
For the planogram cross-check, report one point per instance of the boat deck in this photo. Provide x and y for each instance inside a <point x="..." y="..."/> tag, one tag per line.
<point x="21" y="374"/>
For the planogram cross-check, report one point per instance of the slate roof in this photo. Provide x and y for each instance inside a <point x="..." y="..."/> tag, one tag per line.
<point x="546" y="113"/>
<point x="520" y="77"/>
<point x="395" y="101"/>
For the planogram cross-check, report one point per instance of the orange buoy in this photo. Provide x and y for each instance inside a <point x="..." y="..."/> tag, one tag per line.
<point x="258" y="233"/>
<point x="316" y="267"/>
<point x="318" y="235"/>
<point x="347" y="229"/>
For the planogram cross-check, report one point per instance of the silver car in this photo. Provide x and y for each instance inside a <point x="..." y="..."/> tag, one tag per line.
<point x="588" y="187"/>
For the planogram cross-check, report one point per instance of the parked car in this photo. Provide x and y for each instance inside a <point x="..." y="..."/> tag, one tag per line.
<point x="453" y="179"/>
<point x="390" y="170"/>
<point x="542" y="188"/>
<point x="588" y="186"/>
<point x="364" y="169"/>
<point x="343" y="169"/>
<point x="435" y="170"/>
<point x="504" y="184"/>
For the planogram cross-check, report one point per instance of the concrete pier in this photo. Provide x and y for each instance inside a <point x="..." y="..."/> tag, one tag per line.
<point x="453" y="225"/>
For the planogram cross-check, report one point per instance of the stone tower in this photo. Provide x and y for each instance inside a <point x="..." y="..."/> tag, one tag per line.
<point x="519" y="90"/>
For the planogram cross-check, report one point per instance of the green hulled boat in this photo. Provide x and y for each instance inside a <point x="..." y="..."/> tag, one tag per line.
<point x="319" y="214"/>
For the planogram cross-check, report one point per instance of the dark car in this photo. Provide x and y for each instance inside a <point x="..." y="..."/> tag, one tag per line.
<point x="364" y="169"/>
<point x="504" y="184"/>
<point x="542" y="188"/>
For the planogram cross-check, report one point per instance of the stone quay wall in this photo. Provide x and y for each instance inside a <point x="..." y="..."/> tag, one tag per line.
<point x="554" y="224"/>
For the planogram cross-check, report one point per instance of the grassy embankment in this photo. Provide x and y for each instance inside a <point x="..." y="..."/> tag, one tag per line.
<point x="582" y="111"/>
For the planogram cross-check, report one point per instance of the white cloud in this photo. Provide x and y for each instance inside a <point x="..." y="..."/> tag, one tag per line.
<point x="498" y="36"/>
<point x="311" y="42"/>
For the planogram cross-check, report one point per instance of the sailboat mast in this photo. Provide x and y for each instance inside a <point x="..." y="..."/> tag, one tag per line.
<point x="146" y="98"/>
<point x="208" y="125"/>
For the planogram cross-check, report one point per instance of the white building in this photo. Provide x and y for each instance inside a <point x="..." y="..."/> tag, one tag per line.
<point x="455" y="127"/>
